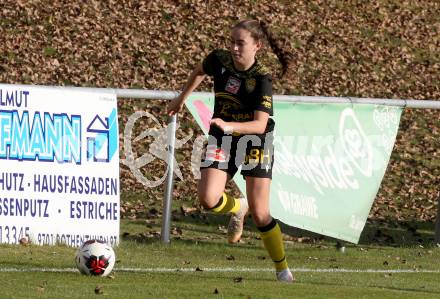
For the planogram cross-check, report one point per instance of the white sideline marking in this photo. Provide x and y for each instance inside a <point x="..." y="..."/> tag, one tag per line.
<point x="164" y="270"/>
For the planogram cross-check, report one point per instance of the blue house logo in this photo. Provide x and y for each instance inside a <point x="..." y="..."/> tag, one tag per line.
<point x="102" y="140"/>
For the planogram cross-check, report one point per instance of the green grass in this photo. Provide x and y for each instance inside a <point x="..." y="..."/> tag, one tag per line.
<point x="201" y="244"/>
<point x="204" y="285"/>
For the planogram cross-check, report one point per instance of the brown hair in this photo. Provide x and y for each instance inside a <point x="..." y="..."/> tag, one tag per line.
<point x="260" y="32"/>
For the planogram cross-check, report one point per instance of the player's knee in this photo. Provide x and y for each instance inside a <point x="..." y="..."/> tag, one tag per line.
<point x="207" y="199"/>
<point x="261" y="219"/>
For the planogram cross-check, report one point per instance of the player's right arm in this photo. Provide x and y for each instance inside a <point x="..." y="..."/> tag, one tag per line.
<point x="194" y="80"/>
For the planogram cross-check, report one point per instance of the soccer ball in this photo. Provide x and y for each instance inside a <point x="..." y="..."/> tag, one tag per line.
<point x="95" y="257"/>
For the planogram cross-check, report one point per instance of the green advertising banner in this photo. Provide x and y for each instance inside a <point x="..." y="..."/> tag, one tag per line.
<point x="329" y="162"/>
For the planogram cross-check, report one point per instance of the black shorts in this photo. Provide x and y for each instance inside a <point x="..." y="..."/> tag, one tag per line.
<point x="254" y="153"/>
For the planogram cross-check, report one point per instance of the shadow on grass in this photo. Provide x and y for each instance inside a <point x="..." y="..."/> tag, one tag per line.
<point x="398" y="234"/>
<point x="205" y="226"/>
<point x="381" y="233"/>
<point x="376" y="233"/>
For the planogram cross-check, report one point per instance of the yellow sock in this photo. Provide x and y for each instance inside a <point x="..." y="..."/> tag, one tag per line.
<point x="226" y="204"/>
<point x="273" y="242"/>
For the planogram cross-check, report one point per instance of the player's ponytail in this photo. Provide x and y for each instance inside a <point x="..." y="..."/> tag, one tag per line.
<point x="260" y="32"/>
<point x="284" y="57"/>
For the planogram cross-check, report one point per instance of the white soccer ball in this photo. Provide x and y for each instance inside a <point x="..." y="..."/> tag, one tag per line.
<point x="95" y="257"/>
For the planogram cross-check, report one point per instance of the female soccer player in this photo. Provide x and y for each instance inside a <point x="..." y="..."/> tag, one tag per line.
<point x="240" y="134"/>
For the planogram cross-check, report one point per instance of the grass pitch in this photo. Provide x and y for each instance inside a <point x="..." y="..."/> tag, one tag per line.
<point x="198" y="263"/>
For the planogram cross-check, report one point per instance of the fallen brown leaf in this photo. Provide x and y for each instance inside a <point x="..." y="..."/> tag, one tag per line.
<point x="238" y="279"/>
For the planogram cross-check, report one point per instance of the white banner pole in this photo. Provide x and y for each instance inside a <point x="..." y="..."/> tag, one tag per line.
<point x="166" y="214"/>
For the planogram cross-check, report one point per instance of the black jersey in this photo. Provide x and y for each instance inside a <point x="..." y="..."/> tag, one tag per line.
<point x="239" y="93"/>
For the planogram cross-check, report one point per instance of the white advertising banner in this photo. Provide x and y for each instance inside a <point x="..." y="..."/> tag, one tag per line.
<point x="59" y="166"/>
